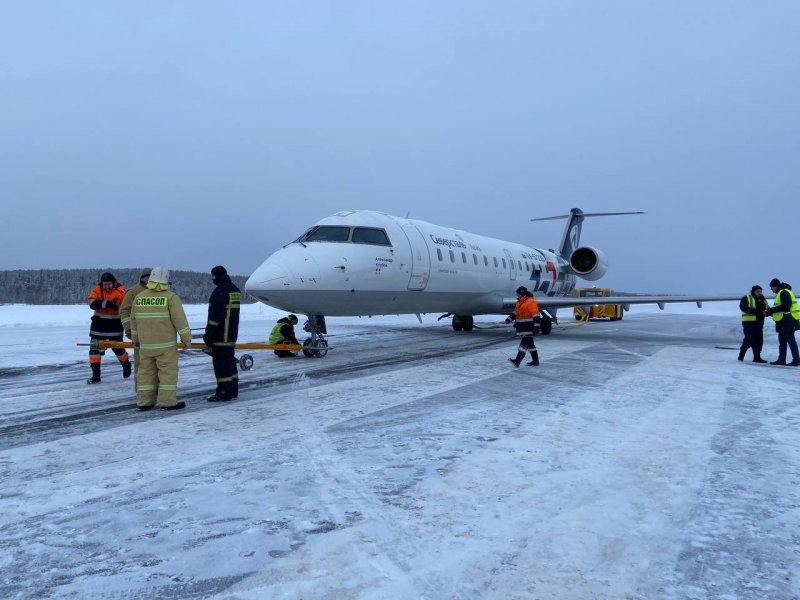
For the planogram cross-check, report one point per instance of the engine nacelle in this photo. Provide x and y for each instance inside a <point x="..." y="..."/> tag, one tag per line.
<point x="588" y="263"/>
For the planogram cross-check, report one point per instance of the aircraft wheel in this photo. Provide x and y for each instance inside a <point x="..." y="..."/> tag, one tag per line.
<point x="458" y="325"/>
<point x="322" y="348"/>
<point x="578" y="318"/>
<point x="467" y="323"/>
<point x="245" y="362"/>
<point x="547" y="326"/>
<point x="308" y="352"/>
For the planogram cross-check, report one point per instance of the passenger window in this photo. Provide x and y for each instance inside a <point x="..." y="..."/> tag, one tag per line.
<point x="439" y="254"/>
<point x="368" y="235"/>
<point x="519" y="262"/>
<point x="475" y="258"/>
<point x="485" y="261"/>
<point x="329" y="233"/>
<point x="527" y="266"/>
<point x="452" y="257"/>
<point x="504" y="263"/>
<point x="463" y="258"/>
<point x="495" y="261"/>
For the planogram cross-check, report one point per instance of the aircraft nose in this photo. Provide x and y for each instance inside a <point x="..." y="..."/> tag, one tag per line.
<point x="268" y="276"/>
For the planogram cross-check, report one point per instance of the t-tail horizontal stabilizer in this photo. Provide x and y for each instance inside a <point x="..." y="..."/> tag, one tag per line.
<point x="572" y="232"/>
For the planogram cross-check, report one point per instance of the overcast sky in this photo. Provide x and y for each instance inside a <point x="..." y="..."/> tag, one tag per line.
<point x="194" y="133"/>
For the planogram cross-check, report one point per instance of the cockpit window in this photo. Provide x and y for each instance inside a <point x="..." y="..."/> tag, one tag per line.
<point x="368" y="235"/>
<point x="327" y="233"/>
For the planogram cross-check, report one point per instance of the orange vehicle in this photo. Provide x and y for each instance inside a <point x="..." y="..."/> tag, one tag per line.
<point x="596" y="311"/>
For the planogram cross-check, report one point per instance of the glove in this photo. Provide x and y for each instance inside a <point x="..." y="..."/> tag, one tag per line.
<point x="508" y="320"/>
<point x="109" y="304"/>
<point x="187" y="345"/>
<point x="128" y="333"/>
<point x="207" y="340"/>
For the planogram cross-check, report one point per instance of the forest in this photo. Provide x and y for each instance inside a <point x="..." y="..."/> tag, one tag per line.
<point x="72" y="286"/>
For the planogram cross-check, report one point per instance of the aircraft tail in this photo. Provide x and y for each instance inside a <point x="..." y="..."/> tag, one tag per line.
<point x="572" y="232"/>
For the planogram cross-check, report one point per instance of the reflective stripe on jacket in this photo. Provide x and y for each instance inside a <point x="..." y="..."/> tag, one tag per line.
<point x="106" y="321"/>
<point x="224" y="306"/>
<point x="279" y="335"/>
<point x="794" y="310"/>
<point x="157" y="318"/>
<point x="526" y="314"/>
<point x="751" y="303"/>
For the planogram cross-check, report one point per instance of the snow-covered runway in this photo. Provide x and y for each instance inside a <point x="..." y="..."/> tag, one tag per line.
<point x="640" y="460"/>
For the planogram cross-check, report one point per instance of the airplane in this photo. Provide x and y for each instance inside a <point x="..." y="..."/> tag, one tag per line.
<point x="365" y="263"/>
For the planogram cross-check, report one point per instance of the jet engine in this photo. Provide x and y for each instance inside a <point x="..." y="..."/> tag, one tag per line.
<point x="588" y="263"/>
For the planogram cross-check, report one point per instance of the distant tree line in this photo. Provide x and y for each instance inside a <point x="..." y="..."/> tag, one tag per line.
<point x="71" y="286"/>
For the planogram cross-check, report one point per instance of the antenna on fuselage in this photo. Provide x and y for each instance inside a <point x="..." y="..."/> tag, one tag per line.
<point x="572" y="232"/>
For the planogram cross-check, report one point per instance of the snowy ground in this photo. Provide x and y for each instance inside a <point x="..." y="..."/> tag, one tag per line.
<point x="639" y="461"/>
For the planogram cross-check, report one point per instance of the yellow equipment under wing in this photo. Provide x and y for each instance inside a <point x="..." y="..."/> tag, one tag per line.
<point x="106" y="344"/>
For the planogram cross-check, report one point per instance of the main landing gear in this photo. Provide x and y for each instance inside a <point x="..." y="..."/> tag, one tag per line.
<point x="460" y="322"/>
<point x="316" y="345"/>
<point x="463" y="323"/>
<point x="467" y="323"/>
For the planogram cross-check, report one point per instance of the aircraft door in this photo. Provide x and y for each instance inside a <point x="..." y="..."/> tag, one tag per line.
<point x="513" y="271"/>
<point x="420" y="258"/>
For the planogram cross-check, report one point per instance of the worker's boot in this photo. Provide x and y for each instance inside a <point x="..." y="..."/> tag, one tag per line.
<point x="176" y="406"/>
<point x="95" y="378"/>
<point x="126" y="369"/>
<point x="516" y="361"/>
<point x="758" y="359"/>
<point x="534" y="359"/>
<point x="742" y="352"/>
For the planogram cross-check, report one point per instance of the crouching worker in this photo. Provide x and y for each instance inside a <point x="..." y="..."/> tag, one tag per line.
<point x="222" y="331"/>
<point x="105" y="300"/>
<point x="527" y="322"/>
<point x="157" y="318"/>
<point x="283" y="333"/>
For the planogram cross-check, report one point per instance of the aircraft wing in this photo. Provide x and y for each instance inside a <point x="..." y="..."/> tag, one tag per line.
<point x="564" y="301"/>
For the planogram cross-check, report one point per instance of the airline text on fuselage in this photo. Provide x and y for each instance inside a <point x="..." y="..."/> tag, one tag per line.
<point x="446" y="242"/>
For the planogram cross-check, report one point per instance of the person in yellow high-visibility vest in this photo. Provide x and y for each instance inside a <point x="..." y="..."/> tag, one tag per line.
<point x="786" y="314"/>
<point x="283" y="333"/>
<point x="754" y="308"/>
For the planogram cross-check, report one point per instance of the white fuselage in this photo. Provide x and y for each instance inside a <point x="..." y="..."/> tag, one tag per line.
<point x="421" y="268"/>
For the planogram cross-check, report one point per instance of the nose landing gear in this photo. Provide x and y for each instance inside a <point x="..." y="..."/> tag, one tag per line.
<point x="316" y="345"/>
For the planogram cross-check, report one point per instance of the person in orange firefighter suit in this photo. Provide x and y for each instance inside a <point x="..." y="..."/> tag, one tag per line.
<point x="527" y="322"/>
<point x="157" y="318"/>
<point x="105" y="300"/>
